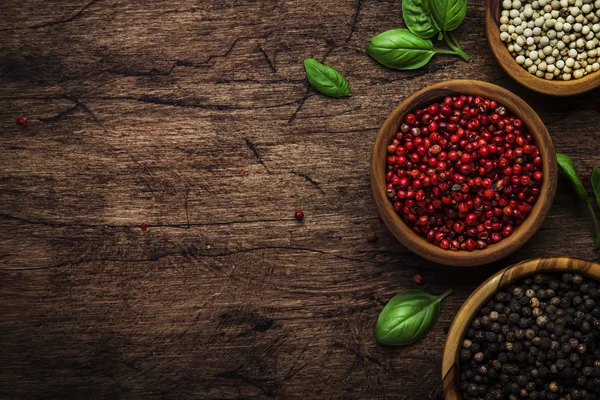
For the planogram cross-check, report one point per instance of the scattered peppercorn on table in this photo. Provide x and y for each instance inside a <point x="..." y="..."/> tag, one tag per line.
<point x="183" y="217"/>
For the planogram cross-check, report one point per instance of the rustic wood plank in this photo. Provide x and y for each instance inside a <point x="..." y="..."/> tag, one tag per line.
<point x="152" y="111"/>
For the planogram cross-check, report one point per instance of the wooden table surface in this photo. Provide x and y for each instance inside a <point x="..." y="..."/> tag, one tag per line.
<point x="196" y="117"/>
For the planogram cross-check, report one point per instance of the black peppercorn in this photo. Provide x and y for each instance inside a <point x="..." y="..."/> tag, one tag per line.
<point x="465" y="355"/>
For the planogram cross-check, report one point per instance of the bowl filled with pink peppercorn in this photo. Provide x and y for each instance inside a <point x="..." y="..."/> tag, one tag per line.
<point x="463" y="172"/>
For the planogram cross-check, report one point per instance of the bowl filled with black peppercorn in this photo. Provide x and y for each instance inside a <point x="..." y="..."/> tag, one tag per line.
<point x="531" y="331"/>
<point x="463" y="172"/>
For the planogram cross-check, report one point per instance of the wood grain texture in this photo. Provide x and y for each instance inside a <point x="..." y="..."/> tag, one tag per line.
<point x="501" y="279"/>
<point x="507" y="62"/>
<point x="149" y="111"/>
<point x="419" y="244"/>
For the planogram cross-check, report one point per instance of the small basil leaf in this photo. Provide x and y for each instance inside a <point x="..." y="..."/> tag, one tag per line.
<point x="400" y="49"/>
<point x="565" y="163"/>
<point x="448" y="14"/>
<point x="325" y="79"/>
<point x="596" y="183"/>
<point x="418" y="18"/>
<point x="408" y="317"/>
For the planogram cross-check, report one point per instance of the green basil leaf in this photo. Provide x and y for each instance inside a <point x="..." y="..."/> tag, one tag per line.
<point x="418" y="18"/>
<point x="448" y="14"/>
<point x="408" y="317"/>
<point x="400" y="49"/>
<point x="565" y="163"/>
<point x="325" y="79"/>
<point x="596" y="183"/>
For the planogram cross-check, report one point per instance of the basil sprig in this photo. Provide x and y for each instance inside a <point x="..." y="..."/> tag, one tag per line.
<point x="418" y="19"/>
<point x="400" y="49"/>
<point x="408" y="317"/>
<point x="325" y="79"/>
<point x="568" y="169"/>
<point x="407" y="49"/>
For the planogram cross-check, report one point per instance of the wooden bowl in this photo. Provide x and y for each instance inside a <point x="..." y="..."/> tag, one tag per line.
<point x="519" y="74"/>
<point x="450" y="362"/>
<point x="419" y="244"/>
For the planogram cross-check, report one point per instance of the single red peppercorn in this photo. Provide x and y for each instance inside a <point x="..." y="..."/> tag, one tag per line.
<point x="458" y="226"/>
<point x="418" y="279"/>
<point x="299" y="215"/>
<point x="144" y="226"/>
<point x="471" y="219"/>
<point x="22" y="121"/>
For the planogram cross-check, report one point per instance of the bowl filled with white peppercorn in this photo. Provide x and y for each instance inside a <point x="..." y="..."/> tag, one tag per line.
<point x="531" y="331"/>
<point x="549" y="46"/>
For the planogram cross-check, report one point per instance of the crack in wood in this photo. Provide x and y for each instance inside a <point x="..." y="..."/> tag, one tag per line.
<point x="270" y="63"/>
<point x="59" y="116"/>
<point x="252" y="148"/>
<point x="105" y="226"/>
<point x="309" y="180"/>
<point x="300" y="102"/>
<point x="187" y="252"/>
<point x="190" y="64"/>
<point x="261" y="82"/>
<point x="157" y="101"/>
<point x="329" y="116"/>
<point x="357" y="130"/>
<point x="52" y="23"/>
<point x="134" y="73"/>
<point x="182" y="103"/>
